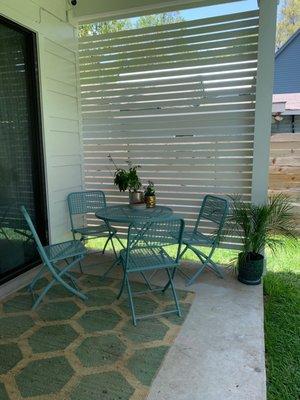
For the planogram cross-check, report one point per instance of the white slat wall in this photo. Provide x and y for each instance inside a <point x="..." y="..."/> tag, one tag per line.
<point x="179" y="100"/>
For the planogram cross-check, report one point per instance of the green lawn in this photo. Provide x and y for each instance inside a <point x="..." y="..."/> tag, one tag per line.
<point x="282" y="321"/>
<point x="282" y="324"/>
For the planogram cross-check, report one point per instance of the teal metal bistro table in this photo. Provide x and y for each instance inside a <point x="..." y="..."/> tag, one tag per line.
<point x="125" y="213"/>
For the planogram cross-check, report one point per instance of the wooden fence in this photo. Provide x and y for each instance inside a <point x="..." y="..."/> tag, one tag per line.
<point x="285" y="168"/>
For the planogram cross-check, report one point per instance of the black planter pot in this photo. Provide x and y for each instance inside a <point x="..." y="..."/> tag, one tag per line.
<point x="250" y="268"/>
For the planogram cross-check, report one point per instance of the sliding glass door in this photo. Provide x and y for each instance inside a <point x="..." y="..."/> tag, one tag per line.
<point x="21" y="165"/>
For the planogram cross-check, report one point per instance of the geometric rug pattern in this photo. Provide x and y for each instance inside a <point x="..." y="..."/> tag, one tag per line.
<point x="69" y="349"/>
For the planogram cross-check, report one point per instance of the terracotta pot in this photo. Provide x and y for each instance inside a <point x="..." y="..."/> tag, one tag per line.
<point x="136" y="197"/>
<point x="250" y="268"/>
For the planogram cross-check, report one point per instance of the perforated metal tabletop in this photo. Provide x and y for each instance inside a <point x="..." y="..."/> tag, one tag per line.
<point x="130" y="214"/>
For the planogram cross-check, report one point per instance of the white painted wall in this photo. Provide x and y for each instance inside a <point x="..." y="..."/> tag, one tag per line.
<point x="57" y="50"/>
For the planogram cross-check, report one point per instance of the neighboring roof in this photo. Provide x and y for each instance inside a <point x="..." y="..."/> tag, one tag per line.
<point x="293" y="37"/>
<point x="287" y="103"/>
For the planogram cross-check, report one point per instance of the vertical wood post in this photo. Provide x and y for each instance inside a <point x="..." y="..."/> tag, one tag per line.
<point x="264" y="90"/>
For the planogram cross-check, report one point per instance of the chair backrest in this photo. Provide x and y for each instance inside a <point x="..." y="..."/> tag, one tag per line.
<point x="156" y="234"/>
<point x="81" y="203"/>
<point x="34" y="234"/>
<point x="213" y="209"/>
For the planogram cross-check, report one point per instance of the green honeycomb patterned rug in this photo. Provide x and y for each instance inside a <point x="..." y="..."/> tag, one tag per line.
<point x="70" y="349"/>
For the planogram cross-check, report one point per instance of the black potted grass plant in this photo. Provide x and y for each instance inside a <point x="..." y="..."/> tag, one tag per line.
<point x="259" y="226"/>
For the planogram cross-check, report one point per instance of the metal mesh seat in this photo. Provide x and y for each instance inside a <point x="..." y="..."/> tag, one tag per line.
<point x="81" y="204"/>
<point x="145" y="252"/>
<point x="213" y="211"/>
<point x="197" y="238"/>
<point x="61" y="251"/>
<point x="144" y="259"/>
<point x="90" y="231"/>
<point x="72" y="252"/>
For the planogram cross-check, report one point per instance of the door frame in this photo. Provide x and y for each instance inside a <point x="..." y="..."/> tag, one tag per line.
<point x="36" y="139"/>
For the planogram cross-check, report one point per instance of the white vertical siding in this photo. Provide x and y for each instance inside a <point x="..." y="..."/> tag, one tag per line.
<point x="57" y="50"/>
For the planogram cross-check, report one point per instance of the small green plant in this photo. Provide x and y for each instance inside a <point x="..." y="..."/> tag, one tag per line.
<point x="121" y="179"/>
<point x="150" y="189"/>
<point x="261" y="225"/>
<point x="126" y="179"/>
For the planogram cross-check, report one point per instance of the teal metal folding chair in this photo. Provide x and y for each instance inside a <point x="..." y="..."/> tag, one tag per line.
<point x="88" y="202"/>
<point x="72" y="252"/>
<point x="213" y="212"/>
<point x="146" y="252"/>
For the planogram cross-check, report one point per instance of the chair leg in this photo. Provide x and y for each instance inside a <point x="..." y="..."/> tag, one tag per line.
<point x="71" y="289"/>
<point x="174" y="292"/>
<point x="106" y="243"/>
<point x="68" y="275"/>
<point x="122" y="286"/>
<point x="113" y="245"/>
<point x="58" y="278"/>
<point x="214" y="267"/>
<point x="42" y="295"/>
<point x="36" y="278"/>
<point x="80" y="267"/>
<point x="153" y="274"/>
<point x="119" y="240"/>
<point x="206" y="263"/>
<point x="65" y="272"/>
<point x="196" y="274"/>
<point x="130" y="300"/>
<point x="183" y="252"/>
<point x="184" y="274"/>
<point x="146" y="281"/>
<point x="116" y="262"/>
<point x="169" y="283"/>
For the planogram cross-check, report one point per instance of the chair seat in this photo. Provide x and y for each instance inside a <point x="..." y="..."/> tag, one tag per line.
<point x="190" y="237"/>
<point x="142" y="259"/>
<point x="61" y="251"/>
<point x="94" y="230"/>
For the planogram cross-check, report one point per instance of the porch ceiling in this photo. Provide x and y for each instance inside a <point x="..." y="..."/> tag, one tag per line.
<point x="95" y="9"/>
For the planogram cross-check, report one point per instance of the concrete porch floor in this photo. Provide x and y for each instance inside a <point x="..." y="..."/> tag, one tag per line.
<point x="219" y="352"/>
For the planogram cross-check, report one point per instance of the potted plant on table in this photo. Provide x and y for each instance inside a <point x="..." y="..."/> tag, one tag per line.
<point x="149" y="195"/>
<point x="129" y="179"/>
<point x="260" y="226"/>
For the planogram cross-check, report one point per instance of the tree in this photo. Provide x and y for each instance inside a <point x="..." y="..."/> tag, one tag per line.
<point x="288" y="22"/>
<point x="98" y="28"/>
<point x="158" y="19"/>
